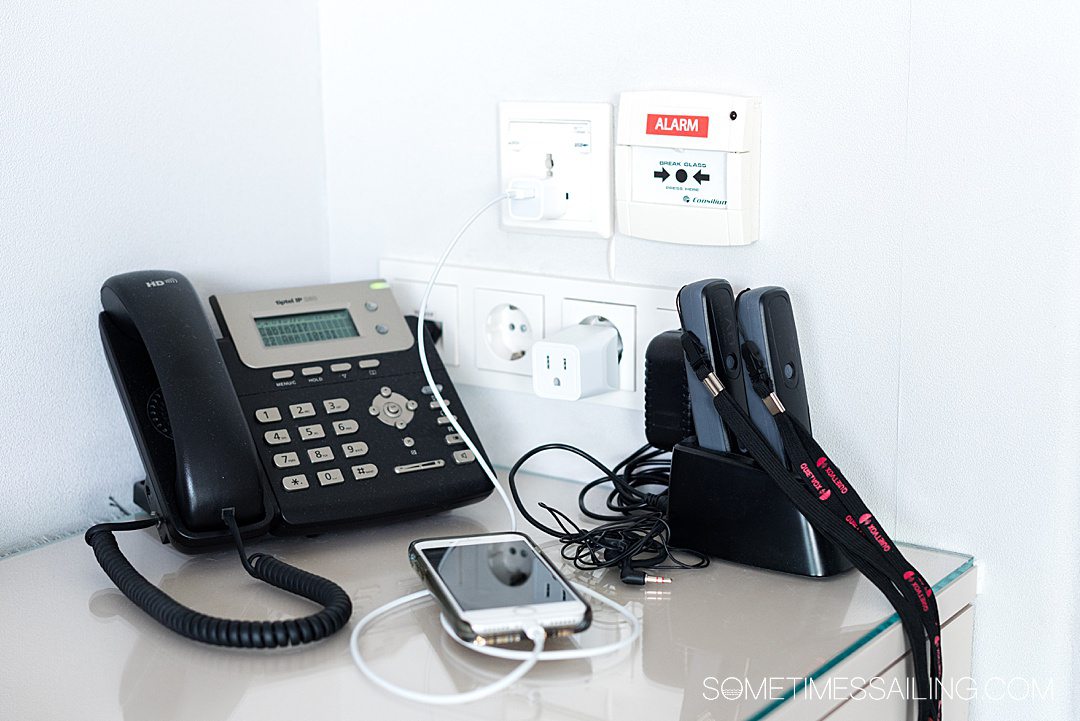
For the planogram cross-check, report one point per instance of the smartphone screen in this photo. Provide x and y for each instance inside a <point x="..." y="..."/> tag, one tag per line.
<point x="495" y="575"/>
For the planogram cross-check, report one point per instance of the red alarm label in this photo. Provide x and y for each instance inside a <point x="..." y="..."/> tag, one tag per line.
<point x="694" y="126"/>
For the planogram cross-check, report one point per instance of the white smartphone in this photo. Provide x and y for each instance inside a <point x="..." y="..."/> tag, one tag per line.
<point x="494" y="586"/>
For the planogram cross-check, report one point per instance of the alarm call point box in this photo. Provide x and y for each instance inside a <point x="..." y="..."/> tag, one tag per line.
<point x="688" y="167"/>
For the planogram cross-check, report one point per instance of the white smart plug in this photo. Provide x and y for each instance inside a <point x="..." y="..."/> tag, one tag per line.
<point x="577" y="362"/>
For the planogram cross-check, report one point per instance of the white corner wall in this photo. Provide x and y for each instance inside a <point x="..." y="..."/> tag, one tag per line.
<point x="920" y="201"/>
<point x="132" y="135"/>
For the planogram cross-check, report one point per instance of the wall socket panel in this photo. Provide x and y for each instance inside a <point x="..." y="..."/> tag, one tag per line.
<point x="482" y="310"/>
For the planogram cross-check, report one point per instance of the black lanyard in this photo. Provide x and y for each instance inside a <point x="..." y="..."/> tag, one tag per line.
<point x="836" y="511"/>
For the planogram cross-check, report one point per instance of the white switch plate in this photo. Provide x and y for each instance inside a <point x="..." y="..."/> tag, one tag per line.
<point x="641" y="312"/>
<point x="578" y="137"/>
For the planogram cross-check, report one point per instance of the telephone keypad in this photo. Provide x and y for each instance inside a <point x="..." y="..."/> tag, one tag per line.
<point x="321" y="455"/>
<point x="352" y="450"/>
<point x="328" y="467"/>
<point x="286" y="460"/>
<point x="330" y="477"/>
<point x="294" y="483"/>
<point x="277" y="437"/>
<point x="345" y="427"/>
<point x="302" y="410"/>
<point x="309" y="433"/>
<point x="268" y="415"/>
<point x="366" y="470"/>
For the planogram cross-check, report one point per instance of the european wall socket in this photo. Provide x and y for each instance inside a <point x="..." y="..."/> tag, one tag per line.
<point x="549" y="302"/>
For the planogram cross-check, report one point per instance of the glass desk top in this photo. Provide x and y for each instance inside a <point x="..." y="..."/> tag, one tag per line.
<point x="76" y="648"/>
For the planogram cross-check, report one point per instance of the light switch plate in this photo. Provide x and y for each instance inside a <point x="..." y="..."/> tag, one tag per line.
<point x="578" y="139"/>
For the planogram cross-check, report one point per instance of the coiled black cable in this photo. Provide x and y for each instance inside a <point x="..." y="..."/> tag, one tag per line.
<point x="337" y="606"/>
<point x="635" y="534"/>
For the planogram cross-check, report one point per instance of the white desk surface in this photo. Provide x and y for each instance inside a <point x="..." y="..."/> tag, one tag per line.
<point x="75" y="648"/>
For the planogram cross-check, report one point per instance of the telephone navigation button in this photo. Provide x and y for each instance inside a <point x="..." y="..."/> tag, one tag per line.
<point x="366" y="470"/>
<point x="295" y="483"/>
<point x="321" y="455"/>
<point x="302" y="410"/>
<point x="330" y="477"/>
<point x="277" y="437"/>
<point x="268" y="415"/>
<point x="336" y="405"/>
<point x="286" y="460"/>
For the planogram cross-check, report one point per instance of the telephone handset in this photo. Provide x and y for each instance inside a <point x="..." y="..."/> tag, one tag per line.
<point x="311" y="412"/>
<point x="181" y="405"/>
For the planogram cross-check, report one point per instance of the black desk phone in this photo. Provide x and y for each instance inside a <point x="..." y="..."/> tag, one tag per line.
<point x="310" y="412"/>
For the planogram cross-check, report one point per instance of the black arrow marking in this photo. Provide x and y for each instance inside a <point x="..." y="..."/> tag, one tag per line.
<point x="701" y="177"/>
<point x="663" y="174"/>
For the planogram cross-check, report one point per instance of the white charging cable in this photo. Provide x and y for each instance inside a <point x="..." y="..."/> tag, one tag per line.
<point x="528" y="658"/>
<point x="512" y="194"/>
<point x="536" y="634"/>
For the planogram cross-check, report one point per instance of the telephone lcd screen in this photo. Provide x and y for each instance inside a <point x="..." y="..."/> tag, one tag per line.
<point x="306" y="327"/>
<point x="496" y="575"/>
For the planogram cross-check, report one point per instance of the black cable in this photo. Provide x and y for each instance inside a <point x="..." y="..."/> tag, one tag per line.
<point x="634" y="536"/>
<point x="337" y="606"/>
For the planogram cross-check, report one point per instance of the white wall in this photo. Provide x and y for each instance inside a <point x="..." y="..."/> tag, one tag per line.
<point x="135" y="135"/>
<point x="919" y="200"/>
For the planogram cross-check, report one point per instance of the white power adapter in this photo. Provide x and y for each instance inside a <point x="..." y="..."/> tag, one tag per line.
<point x="577" y="362"/>
<point x="535" y="199"/>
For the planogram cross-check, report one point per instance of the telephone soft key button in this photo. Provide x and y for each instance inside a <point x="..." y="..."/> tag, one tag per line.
<point x="286" y="460"/>
<point x="295" y="483"/>
<point x="302" y="410"/>
<point x="321" y="455"/>
<point x="340" y="367"/>
<point x="282" y="375"/>
<point x="368" y="364"/>
<point x="336" y="405"/>
<point x="367" y="470"/>
<point x="344" y="428"/>
<point x="312" y="371"/>
<point x="352" y="450"/>
<point x="276" y="438"/>
<point x="312" y="432"/>
<point x="330" y="477"/>
<point x="268" y="415"/>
